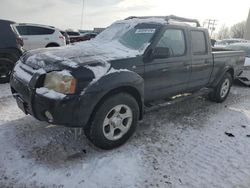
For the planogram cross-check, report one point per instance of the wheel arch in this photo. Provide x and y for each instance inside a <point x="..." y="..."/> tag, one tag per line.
<point x="52" y="44"/>
<point x="122" y="89"/>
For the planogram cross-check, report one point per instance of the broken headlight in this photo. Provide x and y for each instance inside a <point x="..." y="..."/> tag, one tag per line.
<point x="61" y="82"/>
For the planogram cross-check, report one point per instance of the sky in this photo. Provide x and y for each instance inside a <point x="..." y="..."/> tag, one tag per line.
<point x="66" y="14"/>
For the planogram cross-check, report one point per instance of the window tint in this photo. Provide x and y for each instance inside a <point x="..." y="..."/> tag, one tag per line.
<point x="199" y="43"/>
<point x="173" y="39"/>
<point x="22" y="30"/>
<point x="33" y="30"/>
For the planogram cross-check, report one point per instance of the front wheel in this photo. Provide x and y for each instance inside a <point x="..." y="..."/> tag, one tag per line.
<point x="222" y="90"/>
<point x="114" y="122"/>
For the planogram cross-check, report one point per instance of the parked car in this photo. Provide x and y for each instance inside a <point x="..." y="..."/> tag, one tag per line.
<point x="226" y="42"/>
<point x="64" y="33"/>
<point x="242" y="47"/>
<point x="39" y="36"/>
<point x="104" y="85"/>
<point x="78" y="37"/>
<point x="74" y="36"/>
<point x="89" y="36"/>
<point x="10" y="49"/>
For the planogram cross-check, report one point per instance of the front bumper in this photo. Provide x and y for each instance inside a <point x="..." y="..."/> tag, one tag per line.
<point x="70" y="111"/>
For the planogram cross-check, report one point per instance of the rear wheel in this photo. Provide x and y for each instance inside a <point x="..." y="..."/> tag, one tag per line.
<point x="6" y="66"/>
<point x="222" y="89"/>
<point x="114" y="121"/>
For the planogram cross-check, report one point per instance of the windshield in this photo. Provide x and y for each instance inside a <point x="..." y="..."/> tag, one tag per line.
<point x="238" y="47"/>
<point x="133" y="37"/>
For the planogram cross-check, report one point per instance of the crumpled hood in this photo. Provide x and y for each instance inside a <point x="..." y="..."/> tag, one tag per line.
<point x="80" y="54"/>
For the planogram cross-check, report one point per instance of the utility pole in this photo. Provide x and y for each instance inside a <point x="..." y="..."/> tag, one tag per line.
<point x="211" y="23"/>
<point x="81" y="25"/>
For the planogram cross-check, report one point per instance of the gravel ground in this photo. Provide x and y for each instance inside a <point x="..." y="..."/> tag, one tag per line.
<point x="194" y="144"/>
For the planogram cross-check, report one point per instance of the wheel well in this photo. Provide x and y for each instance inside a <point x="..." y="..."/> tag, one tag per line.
<point x="53" y="44"/>
<point x="231" y="71"/>
<point x="125" y="89"/>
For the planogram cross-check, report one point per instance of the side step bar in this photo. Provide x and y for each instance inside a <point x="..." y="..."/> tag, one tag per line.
<point x="149" y="107"/>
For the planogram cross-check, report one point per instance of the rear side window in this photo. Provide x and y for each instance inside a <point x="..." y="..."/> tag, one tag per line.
<point x="173" y="39"/>
<point x="22" y="30"/>
<point x="34" y="30"/>
<point x="199" y="43"/>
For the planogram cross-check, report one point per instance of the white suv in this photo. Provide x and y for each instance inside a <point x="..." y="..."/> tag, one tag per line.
<point x="39" y="36"/>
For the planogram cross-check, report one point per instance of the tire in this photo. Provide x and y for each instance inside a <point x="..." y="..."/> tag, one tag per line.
<point x="52" y="45"/>
<point x="222" y="90"/>
<point x="6" y="67"/>
<point x="114" y="122"/>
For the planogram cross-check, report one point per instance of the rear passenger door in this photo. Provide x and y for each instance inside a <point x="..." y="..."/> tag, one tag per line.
<point x="168" y="76"/>
<point x="202" y="61"/>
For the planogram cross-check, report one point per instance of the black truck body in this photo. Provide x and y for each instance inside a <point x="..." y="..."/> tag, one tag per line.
<point x="10" y="49"/>
<point x="177" y="58"/>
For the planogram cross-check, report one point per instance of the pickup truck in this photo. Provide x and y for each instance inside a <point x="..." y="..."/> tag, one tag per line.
<point x="103" y="85"/>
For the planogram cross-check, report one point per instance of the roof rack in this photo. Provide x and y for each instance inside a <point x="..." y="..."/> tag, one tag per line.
<point x="168" y="18"/>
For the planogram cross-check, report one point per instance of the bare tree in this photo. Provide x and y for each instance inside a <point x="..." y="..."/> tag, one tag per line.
<point x="223" y="33"/>
<point x="238" y="30"/>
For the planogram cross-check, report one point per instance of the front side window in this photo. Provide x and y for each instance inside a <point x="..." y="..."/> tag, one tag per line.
<point x="199" y="44"/>
<point x="174" y="40"/>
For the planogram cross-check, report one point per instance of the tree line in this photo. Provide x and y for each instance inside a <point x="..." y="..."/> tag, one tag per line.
<point x="236" y="31"/>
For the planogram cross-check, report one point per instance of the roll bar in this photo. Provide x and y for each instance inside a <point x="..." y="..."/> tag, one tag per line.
<point x="168" y="18"/>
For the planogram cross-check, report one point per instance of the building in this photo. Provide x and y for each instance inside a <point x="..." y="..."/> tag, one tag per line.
<point x="247" y="31"/>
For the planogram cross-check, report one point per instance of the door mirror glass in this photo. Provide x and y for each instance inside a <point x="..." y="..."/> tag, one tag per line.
<point x="160" y="53"/>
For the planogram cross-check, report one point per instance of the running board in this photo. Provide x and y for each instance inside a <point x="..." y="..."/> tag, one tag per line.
<point x="149" y="107"/>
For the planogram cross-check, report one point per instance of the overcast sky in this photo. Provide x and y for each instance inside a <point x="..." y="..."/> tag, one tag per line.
<point x="101" y="13"/>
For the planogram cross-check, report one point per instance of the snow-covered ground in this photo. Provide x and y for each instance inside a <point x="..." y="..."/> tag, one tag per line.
<point x="182" y="145"/>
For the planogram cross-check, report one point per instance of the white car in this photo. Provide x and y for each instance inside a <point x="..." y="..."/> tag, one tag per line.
<point x="39" y="36"/>
<point x="243" y="47"/>
<point x="226" y="42"/>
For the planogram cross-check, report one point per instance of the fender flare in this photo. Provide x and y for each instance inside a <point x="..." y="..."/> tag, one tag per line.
<point x="221" y="74"/>
<point x="112" y="82"/>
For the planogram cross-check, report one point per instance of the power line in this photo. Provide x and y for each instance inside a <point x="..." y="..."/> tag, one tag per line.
<point x="81" y="25"/>
<point x="211" y="24"/>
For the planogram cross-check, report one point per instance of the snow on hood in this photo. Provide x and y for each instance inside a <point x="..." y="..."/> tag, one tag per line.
<point x="105" y="47"/>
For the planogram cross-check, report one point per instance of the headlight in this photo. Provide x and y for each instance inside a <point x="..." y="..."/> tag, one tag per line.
<point x="62" y="82"/>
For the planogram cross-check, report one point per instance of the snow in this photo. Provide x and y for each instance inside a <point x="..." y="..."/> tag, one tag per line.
<point x="247" y="62"/>
<point x="49" y="93"/>
<point x="182" y="145"/>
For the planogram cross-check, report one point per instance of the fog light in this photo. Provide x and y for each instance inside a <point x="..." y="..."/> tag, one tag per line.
<point x="49" y="116"/>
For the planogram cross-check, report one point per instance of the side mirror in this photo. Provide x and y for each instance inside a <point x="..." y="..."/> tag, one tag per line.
<point x="160" y="53"/>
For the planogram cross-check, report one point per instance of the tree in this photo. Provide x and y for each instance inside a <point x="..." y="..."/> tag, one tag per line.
<point x="238" y="30"/>
<point x="223" y="33"/>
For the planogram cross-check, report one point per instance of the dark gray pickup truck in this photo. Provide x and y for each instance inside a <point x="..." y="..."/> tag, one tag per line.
<point x="103" y="85"/>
